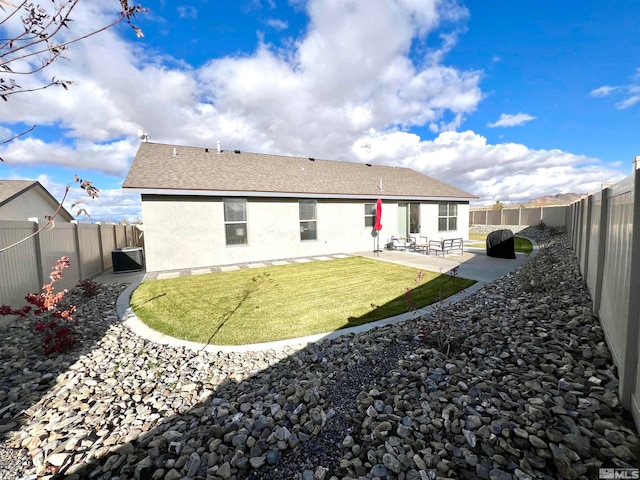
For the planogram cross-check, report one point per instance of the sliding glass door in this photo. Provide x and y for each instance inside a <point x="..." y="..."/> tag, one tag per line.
<point x="408" y="218"/>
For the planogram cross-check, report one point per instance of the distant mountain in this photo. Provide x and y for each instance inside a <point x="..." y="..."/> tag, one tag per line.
<point x="546" y="201"/>
<point x="558" y="199"/>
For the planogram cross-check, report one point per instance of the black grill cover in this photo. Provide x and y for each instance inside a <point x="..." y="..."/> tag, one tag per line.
<point x="500" y="244"/>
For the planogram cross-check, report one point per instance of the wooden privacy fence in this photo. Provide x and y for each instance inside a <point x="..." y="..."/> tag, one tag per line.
<point x="552" y="216"/>
<point x="26" y="267"/>
<point x="602" y="234"/>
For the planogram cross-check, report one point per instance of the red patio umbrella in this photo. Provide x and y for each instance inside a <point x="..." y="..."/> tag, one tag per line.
<point x="378" y="226"/>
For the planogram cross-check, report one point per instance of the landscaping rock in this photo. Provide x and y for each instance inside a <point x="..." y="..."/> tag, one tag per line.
<point x="529" y="391"/>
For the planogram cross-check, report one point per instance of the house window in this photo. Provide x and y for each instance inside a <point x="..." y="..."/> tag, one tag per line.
<point x="308" y="221"/>
<point x="447" y="217"/>
<point x="235" y="221"/>
<point x="369" y="214"/>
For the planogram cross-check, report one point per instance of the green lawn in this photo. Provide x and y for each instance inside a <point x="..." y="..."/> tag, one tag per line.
<point x="289" y="301"/>
<point x="522" y="244"/>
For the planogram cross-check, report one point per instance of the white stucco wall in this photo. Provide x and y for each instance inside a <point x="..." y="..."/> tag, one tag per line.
<point x="188" y="232"/>
<point x="28" y="205"/>
<point x="429" y="222"/>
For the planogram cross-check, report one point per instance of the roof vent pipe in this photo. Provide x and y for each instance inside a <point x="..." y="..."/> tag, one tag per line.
<point x="175" y="152"/>
<point x="219" y="147"/>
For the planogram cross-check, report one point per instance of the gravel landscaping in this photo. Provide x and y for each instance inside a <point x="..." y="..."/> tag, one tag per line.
<point x="514" y="382"/>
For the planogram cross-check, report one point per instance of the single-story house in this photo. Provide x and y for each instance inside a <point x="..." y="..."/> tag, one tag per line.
<point x="203" y="207"/>
<point x="25" y="199"/>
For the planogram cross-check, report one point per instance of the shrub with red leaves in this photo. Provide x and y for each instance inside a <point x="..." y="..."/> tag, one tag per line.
<point x="59" y="340"/>
<point x="89" y="288"/>
<point x="57" y="337"/>
<point x="6" y="310"/>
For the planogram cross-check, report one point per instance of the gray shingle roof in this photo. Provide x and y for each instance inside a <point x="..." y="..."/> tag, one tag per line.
<point x="155" y="169"/>
<point x="9" y="189"/>
<point x="12" y="189"/>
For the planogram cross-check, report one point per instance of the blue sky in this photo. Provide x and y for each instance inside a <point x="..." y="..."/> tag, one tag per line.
<point x="506" y="100"/>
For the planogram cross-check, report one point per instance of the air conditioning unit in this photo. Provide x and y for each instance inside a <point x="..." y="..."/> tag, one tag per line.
<point x="128" y="259"/>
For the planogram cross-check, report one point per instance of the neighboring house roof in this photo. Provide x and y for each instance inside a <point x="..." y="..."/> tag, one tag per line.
<point x="179" y="170"/>
<point x="12" y="189"/>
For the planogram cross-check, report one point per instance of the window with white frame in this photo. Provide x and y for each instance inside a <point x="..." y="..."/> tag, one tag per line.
<point x="308" y="220"/>
<point x="369" y="214"/>
<point x="235" y="221"/>
<point x="447" y="217"/>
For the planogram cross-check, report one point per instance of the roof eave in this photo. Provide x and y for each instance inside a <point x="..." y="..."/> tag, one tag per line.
<point x="237" y="193"/>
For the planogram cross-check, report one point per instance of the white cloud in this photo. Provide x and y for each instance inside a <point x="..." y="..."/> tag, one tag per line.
<point x="350" y="72"/>
<point x="111" y="157"/>
<point x="467" y="161"/>
<point x="629" y="94"/>
<point x="114" y="205"/>
<point x="628" y="102"/>
<point x="348" y="82"/>
<point x="603" y="91"/>
<point x="5" y="133"/>
<point x="257" y="4"/>
<point x="277" y="24"/>
<point x="508" y="120"/>
<point x="187" y="11"/>
<point x="111" y="205"/>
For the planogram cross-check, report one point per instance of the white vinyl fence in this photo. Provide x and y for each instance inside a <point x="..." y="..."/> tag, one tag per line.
<point x="601" y="231"/>
<point x="26" y="267"/>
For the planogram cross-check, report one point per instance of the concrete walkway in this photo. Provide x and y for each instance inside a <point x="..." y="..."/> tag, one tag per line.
<point x="473" y="264"/>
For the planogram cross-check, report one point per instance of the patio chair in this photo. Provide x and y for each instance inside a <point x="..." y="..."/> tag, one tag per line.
<point x="400" y="243"/>
<point x="421" y="244"/>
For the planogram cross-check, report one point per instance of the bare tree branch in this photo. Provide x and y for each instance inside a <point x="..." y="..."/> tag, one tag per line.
<point x="4" y="94"/>
<point x="40" y="27"/>
<point x="4" y="142"/>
